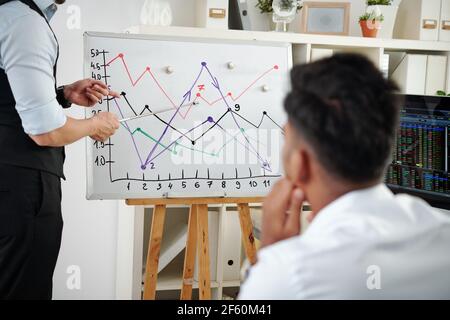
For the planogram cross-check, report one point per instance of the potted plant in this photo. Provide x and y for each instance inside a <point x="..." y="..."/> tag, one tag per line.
<point x="370" y="23"/>
<point x="388" y="8"/>
<point x="264" y="6"/>
<point x="280" y="12"/>
<point x="442" y="93"/>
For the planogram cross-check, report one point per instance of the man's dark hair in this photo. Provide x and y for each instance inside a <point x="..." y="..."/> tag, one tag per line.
<point x="347" y="112"/>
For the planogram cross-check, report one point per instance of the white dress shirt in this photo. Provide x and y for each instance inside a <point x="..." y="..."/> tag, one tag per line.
<point x="368" y="244"/>
<point x="28" y="51"/>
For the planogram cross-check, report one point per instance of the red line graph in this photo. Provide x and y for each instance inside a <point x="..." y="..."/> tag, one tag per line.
<point x="207" y="102"/>
<point x="121" y="56"/>
<point x="253" y="83"/>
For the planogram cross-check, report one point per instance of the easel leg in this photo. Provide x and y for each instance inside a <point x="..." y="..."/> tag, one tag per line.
<point x="189" y="258"/>
<point x="203" y="253"/>
<point x="247" y="232"/>
<point x="154" y="248"/>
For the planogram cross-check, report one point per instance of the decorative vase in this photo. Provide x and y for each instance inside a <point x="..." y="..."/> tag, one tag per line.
<point x="271" y="26"/>
<point x="284" y="12"/>
<point x="370" y="28"/>
<point x="390" y="15"/>
<point x="156" y="13"/>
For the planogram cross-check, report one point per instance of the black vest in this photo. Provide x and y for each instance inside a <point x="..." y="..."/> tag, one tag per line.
<point x="16" y="147"/>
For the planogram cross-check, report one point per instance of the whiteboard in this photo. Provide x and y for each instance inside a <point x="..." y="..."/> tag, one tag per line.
<point x="221" y="134"/>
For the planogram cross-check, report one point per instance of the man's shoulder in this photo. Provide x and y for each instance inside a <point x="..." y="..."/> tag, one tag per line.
<point x="413" y="203"/>
<point x="13" y="11"/>
<point x="418" y="210"/>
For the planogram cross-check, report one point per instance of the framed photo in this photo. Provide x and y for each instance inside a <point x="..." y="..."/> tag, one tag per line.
<point x="330" y="18"/>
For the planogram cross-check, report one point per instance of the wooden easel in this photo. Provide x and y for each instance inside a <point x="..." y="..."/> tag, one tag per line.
<point x="197" y="240"/>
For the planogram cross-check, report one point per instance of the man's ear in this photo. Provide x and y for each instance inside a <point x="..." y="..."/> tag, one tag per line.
<point x="301" y="166"/>
<point x="305" y="168"/>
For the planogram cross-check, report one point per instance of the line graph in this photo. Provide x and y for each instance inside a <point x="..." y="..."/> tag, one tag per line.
<point x="215" y="82"/>
<point x="187" y="97"/>
<point x="220" y="131"/>
<point x="149" y="158"/>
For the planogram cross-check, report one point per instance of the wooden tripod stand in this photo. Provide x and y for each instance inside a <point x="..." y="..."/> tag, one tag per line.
<point x="197" y="240"/>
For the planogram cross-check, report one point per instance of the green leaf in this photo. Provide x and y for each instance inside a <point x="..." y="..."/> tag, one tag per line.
<point x="441" y="93"/>
<point x="379" y="2"/>
<point x="371" y="16"/>
<point x="265" y="6"/>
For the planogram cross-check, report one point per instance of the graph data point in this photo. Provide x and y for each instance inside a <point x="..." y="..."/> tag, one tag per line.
<point x="242" y="130"/>
<point x="193" y="143"/>
<point x="210" y="119"/>
<point x="120" y="55"/>
<point x="138" y="129"/>
<point x="123" y="93"/>
<point x="143" y="167"/>
<point x="276" y="67"/>
<point x="229" y="109"/>
<point x="198" y="95"/>
<point x="229" y="94"/>
<point x="148" y="68"/>
<point x="204" y="64"/>
<point x="265" y="113"/>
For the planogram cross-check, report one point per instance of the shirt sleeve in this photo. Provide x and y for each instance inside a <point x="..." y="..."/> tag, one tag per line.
<point x="270" y="278"/>
<point x="29" y="52"/>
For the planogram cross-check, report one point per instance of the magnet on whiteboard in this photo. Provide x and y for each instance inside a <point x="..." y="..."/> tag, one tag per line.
<point x="265" y="88"/>
<point x="170" y="69"/>
<point x="231" y="65"/>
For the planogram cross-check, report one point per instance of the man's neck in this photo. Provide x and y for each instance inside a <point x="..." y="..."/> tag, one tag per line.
<point x="43" y="4"/>
<point x="324" y="193"/>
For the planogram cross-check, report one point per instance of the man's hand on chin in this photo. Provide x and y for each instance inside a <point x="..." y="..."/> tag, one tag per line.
<point x="281" y="213"/>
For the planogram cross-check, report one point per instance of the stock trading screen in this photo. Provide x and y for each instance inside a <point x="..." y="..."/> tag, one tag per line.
<point x="420" y="161"/>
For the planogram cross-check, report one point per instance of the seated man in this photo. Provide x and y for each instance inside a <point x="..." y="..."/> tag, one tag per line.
<point x="364" y="242"/>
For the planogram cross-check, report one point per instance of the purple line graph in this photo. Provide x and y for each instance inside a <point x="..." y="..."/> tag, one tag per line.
<point x="215" y="83"/>
<point x="186" y="96"/>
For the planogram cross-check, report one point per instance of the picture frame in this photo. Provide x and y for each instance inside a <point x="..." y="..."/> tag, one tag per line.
<point x="328" y="18"/>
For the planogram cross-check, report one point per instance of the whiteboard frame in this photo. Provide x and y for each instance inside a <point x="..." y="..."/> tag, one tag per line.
<point x="90" y="194"/>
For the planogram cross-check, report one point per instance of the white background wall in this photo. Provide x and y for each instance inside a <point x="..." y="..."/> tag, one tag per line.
<point x="90" y="231"/>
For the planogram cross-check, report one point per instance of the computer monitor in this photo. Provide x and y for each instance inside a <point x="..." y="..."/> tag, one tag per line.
<point x="421" y="156"/>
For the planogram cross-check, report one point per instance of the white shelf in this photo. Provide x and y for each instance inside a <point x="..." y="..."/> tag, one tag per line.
<point x="297" y="38"/>
<point x="171" y="277"/>
<point x="170" y="282"/>
<point x="173" y="243"/>
<point x="231" y="283"/>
